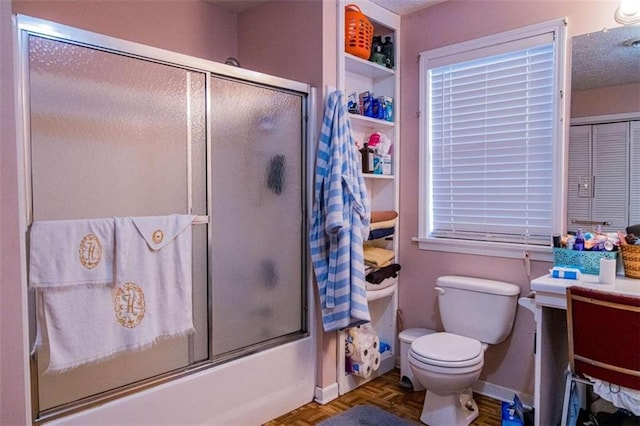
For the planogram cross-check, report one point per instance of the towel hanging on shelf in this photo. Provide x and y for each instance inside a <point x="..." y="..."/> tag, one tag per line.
<point x="340" y="221"/>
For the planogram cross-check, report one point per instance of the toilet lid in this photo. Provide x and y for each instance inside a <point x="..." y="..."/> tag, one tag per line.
<point x="447" y="349"/>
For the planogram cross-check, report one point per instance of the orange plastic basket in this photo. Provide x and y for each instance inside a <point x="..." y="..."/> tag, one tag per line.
<point x="358" y="32"/>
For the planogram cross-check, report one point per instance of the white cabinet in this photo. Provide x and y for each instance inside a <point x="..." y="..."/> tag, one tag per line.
<point x="603" y="176"/>
<point x="551" y="351"/>
<point x="356" y="75"/>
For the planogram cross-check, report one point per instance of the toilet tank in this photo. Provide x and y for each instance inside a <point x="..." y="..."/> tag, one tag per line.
<point x="474" y="307"/>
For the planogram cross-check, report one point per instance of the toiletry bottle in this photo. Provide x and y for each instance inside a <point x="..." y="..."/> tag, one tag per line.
<point x="570" y="242"/>
<point x="378" y="56"/>
<point x="387" y="50"/>
<point x="579" y="242"/>
<point x="376" y="44"/>
<point x="367" y="159"/>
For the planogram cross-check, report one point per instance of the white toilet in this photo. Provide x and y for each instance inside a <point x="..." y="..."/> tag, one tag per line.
<point x="475" y="313"/>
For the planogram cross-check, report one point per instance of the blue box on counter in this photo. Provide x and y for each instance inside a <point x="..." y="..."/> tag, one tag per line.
<point x="587" y="262"/>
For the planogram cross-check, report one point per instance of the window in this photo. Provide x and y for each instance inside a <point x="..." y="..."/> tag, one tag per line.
<point x="492" y="144"/>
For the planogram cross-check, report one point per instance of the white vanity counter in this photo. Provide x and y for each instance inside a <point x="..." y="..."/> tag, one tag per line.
<point x="551" y="356"/>
<point x="552" y="291"/>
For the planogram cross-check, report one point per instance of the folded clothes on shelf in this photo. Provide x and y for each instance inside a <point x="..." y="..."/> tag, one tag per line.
<point x="377" y="256"/>
<point x="381" y="233"/>
<point x="383" y="225"/>
<point x="376" y="277"/>
<point x="383" y="215"/>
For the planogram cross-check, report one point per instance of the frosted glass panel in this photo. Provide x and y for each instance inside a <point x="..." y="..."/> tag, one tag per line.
<point x="105" y="128"/>
<point x="257" y="220"/>
<point x="114" y="135"/>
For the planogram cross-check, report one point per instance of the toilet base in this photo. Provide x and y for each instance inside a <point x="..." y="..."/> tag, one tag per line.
<point x="451" y="410"/>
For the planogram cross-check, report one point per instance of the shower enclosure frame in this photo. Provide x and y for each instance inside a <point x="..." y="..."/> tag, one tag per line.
<point x="26" y="26"/>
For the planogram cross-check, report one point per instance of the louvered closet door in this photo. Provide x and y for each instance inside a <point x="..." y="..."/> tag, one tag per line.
<point x="634" y="174"/>
<point x="579" y="202"/>
<point x="610" y="165"/>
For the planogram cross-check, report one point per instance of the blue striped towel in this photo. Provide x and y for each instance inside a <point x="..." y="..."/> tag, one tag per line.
<point x="340" y="221"/>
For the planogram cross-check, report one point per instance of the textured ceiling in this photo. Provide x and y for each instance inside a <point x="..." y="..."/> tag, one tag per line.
<point x="601" y="59"/>
<point x="403" y="7"/>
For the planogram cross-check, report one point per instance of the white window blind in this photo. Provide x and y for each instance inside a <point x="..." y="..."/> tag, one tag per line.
<point x="491" y="125"/>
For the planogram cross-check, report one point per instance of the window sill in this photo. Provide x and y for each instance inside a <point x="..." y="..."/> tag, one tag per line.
<point x="483" y="248"/>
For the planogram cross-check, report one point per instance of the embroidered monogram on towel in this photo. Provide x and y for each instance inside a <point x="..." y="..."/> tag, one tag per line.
<point x="129" y="305"/>
<point x="90" y="251"/>
<point x="157" y="236"/>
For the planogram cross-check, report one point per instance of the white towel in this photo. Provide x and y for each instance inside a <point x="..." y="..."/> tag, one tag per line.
<point x="71" y="252"/>
<point x="619" y="396"/>
<point x="64" y="257"/>
<point x="153" y="260"/>
<point x="150" y="300"/>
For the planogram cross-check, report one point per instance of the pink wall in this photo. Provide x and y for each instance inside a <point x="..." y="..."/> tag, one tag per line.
<point x="606" y="101"/>
<point x="511" y="363"/>
<point x="283" y="38"/>
<point x="14" y="402"/>
<point x="192" y="27"/>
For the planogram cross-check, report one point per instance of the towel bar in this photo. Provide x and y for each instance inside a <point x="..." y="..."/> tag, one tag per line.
<point x="200" y="220"/>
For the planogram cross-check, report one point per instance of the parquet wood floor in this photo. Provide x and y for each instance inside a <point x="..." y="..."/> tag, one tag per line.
<point x="386" y="393"/>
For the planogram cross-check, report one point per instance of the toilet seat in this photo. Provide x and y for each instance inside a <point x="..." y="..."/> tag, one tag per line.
<point x="447" y="350"/>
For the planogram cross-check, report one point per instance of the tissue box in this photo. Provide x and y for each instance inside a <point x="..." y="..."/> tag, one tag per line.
<point x="509" y="415"/>
<point x="512" y="412"/>
<point x="587" y="262"/>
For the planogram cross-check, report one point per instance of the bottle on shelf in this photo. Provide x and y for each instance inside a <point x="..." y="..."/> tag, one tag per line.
<point x="579" y="241"/>
<point x="367" y="159"/>
<point x="387" y="51"/>
<point x="377" y="55"/>
<point x="376" y="50"/>
<point x="376" y="46"/>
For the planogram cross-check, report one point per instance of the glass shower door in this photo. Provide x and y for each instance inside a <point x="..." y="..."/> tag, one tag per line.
<point x="116" y="135"/>
<point x="257" y="185"/>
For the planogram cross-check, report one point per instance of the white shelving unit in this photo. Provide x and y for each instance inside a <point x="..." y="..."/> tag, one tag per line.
<point x="356" y="75"/>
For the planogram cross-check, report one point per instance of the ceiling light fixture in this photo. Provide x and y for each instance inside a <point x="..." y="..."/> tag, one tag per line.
<point x="628" y="13"/>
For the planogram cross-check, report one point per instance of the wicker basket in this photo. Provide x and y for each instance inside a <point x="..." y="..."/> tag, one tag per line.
<point x="358" y="32"/>
<point x="631" y="260"/>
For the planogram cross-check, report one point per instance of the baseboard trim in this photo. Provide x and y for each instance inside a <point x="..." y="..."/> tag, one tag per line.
<point x="326" y="395"/>
<point x="501" y="393"/>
